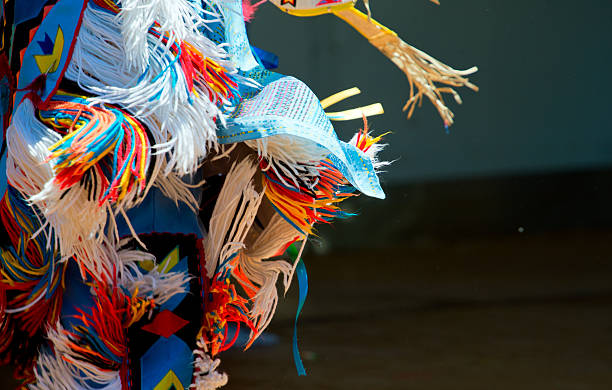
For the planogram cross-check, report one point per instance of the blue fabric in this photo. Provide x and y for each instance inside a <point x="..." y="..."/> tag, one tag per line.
<point x="27" y="10"/>
<point x="283" y="106"/>
<point x="239" y="48"/>
<point x="303" y="285"/>
<point x="62" y="21"/>
<point x="167" y="354"/>
<point x="157" y="213"/>
<point x="176" y="299"/>
<point x="287" y="106"/>
<point x="267" y="59"/>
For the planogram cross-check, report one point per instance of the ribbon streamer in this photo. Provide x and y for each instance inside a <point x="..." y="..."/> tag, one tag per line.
<point x="303" y="286"/>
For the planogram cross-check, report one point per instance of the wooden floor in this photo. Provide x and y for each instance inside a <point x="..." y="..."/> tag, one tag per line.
<point x="508" y="312"/>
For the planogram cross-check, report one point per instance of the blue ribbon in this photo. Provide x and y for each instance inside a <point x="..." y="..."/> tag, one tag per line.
<point x="303" y="285"/>
<point x="268" y="60"/>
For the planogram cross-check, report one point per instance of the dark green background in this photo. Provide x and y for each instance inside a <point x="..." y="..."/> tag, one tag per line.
<point x="544" y="77"/>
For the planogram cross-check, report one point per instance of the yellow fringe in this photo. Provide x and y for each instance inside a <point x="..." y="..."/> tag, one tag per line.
<point x="355" y="113"/>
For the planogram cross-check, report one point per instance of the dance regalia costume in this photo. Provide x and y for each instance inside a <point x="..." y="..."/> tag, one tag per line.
<point x="152" y="173"/>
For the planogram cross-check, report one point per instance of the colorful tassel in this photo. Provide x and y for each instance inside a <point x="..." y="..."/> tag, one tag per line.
<point x="302" y="205"/>
<point x="222" y="304"/>
<point x="91" y="134"/>
<point x="101" y="337"/>
<point x="199" y="70"/>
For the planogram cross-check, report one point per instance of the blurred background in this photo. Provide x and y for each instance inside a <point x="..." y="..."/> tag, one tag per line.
<point x="489" y="265"/>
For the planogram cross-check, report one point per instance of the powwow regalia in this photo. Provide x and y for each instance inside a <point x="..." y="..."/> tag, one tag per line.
<point x="153" y="171"/>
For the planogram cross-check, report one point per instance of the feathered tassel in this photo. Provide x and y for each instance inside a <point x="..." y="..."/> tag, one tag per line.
<point x="369" y="145"/>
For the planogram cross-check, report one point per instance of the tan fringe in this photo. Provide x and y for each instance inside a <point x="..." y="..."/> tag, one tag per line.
<point x="423" y="72"/>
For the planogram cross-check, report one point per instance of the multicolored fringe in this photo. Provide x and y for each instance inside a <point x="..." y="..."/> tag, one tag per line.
<point x="198" y="70"/>
<point x="101" y="339"/>
<point x="151" y="59"/>
<point x="230" y="223"/>
<point x="93" y="352"/>
<point x="222" y="305"/>
<point x="157" y="89"/>
<point x="31" y="283"/>
<point x="300" y="198"/>
<point x="305" y="204"/>
<point x="72" y="220"/>
<point x="92" y="133"/>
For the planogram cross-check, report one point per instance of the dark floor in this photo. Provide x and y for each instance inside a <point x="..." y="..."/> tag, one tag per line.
<point x="512" y="312"/>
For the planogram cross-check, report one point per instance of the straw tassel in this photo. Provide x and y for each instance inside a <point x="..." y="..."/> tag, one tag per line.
<point x="424" y="72"/>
